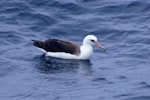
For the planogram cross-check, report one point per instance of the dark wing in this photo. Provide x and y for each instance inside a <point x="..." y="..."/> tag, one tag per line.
<point x="55" y="45"/>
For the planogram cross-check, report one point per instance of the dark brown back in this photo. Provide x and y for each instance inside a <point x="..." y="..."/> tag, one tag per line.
<point x="55" y="45"/>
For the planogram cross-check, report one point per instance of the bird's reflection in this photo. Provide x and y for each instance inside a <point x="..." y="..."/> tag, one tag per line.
<point x="55" y="65"/>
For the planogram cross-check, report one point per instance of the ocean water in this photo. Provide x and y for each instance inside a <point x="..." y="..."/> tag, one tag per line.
<point x="121" y="73"/>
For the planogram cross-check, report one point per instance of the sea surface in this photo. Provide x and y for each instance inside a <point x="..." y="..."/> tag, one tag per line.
<point x="120" y="73"/>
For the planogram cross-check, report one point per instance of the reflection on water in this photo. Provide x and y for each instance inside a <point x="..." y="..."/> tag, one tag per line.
<point x="55" y="65"/>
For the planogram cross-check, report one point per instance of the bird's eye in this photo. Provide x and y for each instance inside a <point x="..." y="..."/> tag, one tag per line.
<point x="92" y="40"/>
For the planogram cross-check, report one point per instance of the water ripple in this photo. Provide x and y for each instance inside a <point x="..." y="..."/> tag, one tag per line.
<point x="122" y="26"/>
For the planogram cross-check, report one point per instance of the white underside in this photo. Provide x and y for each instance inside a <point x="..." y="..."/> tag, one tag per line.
<point x="86" y="52"/>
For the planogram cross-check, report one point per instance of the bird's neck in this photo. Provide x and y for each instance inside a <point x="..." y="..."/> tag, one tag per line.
<point x="86" y="51"/>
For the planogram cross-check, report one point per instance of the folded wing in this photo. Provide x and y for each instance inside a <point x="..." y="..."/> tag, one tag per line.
<point x="55" y="45"/>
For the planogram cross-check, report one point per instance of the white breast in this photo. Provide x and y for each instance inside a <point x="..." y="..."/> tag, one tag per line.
<point x="86" y="52"/>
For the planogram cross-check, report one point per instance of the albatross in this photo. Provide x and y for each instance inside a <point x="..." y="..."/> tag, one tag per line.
<point x="68" y="50"/>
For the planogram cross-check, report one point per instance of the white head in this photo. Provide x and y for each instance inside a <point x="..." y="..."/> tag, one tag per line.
<point x="92" y="40"/>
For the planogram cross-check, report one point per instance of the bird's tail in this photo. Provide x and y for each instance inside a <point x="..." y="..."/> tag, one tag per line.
<point x="37" y="43"/>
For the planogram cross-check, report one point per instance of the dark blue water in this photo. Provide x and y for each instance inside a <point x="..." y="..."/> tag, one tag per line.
<point x="121" y="73"/>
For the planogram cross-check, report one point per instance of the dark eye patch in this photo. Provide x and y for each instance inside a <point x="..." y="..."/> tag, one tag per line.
<point x="93" y="40"/>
